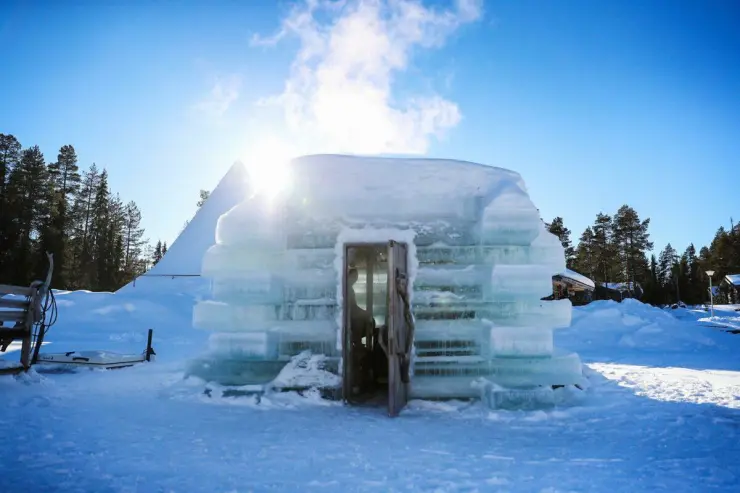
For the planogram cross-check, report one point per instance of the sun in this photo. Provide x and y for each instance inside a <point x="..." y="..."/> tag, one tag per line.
<point x="268" y="167"/>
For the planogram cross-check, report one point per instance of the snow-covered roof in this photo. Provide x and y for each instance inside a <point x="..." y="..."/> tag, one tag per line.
<point x="411" y="189"/>
<point x="621" y="286"/>
<point x="369" y="191"/>
<point x="571" y="274"/>
<point x="733" y="279"/>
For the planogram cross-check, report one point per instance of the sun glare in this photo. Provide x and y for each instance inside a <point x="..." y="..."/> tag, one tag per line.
<point x="268" y="167"/>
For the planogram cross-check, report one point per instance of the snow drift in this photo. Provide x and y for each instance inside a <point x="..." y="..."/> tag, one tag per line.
<point x="638" y="333"/>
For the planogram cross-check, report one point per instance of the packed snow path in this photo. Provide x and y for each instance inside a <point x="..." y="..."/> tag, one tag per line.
<point x="648" y="423"/>
<point x="138" y="431"/>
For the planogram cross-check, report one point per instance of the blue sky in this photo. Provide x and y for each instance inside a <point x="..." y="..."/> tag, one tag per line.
<point x="596" y="104"/>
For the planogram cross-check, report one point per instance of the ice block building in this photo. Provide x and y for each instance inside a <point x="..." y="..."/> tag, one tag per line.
<point x="411" y="278"/>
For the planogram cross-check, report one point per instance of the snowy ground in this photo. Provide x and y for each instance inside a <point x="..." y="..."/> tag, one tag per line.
<point x="725" y="316"/>
<point x="662" y="414"/>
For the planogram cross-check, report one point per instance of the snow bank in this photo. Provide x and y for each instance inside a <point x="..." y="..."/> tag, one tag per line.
<point x="119" y="322"/>
<point x="307" y="370"/>
<point x="609" y="327"/>
<point x="726" y="318"/>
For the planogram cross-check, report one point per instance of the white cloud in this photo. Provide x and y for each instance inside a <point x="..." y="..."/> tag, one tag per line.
<point x="222" y="95"/>
<point x="340" y="86"/>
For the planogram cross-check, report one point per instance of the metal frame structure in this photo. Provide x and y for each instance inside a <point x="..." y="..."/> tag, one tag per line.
<point x="24" y="314"/>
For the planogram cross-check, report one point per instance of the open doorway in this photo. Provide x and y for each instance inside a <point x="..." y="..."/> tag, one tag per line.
<point x="377" y="328"/>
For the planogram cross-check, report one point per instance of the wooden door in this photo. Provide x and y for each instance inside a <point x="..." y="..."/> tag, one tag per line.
<point x="347" y="374"/>
<point x="400" y="328"/>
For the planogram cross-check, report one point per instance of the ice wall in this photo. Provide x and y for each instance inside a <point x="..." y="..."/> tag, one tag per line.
<point x="483" y="263"/>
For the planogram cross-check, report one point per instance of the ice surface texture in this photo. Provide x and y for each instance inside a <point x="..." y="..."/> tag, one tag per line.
<point x="482" y="262"/>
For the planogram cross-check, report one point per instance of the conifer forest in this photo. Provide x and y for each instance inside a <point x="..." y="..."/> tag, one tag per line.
<point x="50" y="205"/>
<point x="616" y="249"/>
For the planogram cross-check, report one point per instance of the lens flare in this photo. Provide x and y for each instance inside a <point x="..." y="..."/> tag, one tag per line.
<point x="268" y="167"/>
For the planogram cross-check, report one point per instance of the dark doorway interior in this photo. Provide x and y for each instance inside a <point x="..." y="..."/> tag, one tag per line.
<point x="366" y="324"/>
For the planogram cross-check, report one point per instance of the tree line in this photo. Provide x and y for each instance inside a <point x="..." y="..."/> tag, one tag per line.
<point x="50" y="206"/>
<point x="98" y="241"/>
<point x="614" y="251"/>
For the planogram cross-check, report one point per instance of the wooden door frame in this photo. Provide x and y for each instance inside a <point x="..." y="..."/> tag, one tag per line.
<point x="394" y="366"/>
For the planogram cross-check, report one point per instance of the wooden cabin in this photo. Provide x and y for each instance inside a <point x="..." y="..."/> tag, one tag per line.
<point x="571" y="285"/>
<point x="730" y="288"/>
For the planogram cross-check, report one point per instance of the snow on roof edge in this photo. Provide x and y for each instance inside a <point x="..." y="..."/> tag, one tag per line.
<point x="515" y="175"/>
<point x="733" y="279"/>
<point x="404" y="158"/>
<point x="571" y="274"/>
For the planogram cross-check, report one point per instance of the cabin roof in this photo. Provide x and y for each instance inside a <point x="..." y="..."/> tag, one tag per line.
<point x="621" y="286"/>
<point x="575" y="276"/>
<point x="733" y="279"/>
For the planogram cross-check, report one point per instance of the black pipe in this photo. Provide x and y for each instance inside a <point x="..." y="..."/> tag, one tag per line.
<point x="149" y="350"/>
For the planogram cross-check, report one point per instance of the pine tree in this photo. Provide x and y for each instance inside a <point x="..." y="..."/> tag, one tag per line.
<point x="704" y="257"/>
<point x="28" y="193"/>
<point x="722" y="252"/>
<point x="678" y="276"/>
<point x="632" y="240"/>
<point x="48" y="237"/>
<point x="584" y="262"/>
<point x="164" y="248"/>
<point x="604" y="250"/>
<point x="693" y="280"/>
<point x="133" y="242"/>
<point x="65" y="179"/>
<point x="10" y="154"/>
<point x="157" y="255"/>
<point x="147" y="258"/>
<point x="101" y="239"/>
<point x="653" y="270"/>
<point x="642" y="265"/>
<point x="653" y="290"/>
<point x="82" y="213"/>
<point x="557" y="228"/>
<point x="735" y="246"/>
<point x="667" y="259"/>
<point x="114" y="255"/>
<point x="65" y="172"/>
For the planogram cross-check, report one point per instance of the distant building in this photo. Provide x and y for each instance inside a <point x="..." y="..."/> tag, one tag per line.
<point x="730" y="288"/>
<point x="576" y="287"/>
<point x="618" y="291"/>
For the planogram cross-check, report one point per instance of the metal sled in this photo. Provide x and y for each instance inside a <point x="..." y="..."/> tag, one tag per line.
<point x="96" y="359"/>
